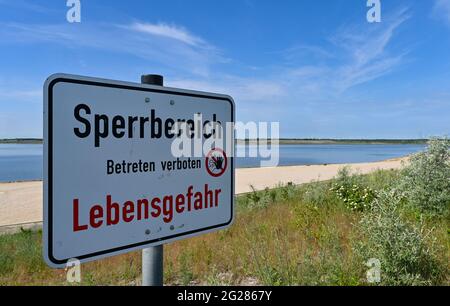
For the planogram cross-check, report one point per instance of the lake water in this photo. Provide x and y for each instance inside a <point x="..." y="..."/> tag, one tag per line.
<point x="291" y="155"/>
<point x="20" y="162"/>
<point x="24" y="162"/>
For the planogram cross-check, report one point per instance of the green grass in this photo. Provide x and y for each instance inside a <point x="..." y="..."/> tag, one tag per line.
<point x="291" y="235"/>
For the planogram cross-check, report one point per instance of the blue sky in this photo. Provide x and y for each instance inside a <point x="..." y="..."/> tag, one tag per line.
<point x="316" y="66"/>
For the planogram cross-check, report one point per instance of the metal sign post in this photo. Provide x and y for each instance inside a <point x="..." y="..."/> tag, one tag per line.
<point x="153" y="257"/>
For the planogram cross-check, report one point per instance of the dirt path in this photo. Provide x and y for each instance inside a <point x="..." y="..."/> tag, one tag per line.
<point x="21" y="203"/>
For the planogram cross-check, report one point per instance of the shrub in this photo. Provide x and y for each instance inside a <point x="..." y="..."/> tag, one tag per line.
<point x="259" y="199"/>
<point x="382" y="179"/>
<point x="287" y="192"/>
<point x="426" y="180"/>
<point x="350" y="190"/>
<point x="356" y="198"/>
<point x="264" y="198"/>
<point x="317" y="194"/>
<point x="405" y="250"/>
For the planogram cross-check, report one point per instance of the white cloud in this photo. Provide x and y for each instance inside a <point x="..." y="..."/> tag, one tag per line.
<point x="441" y="10"/>
<point x="367" y="51"/>
<point x="249" y="90"/>
<point x="21" y="95"/>
<point x="286" y="90"/>
<point x="168" y="31"/>
<point x="169" y="46"/>
<point x="355" y="56"/>
<point x="26" y="5"/>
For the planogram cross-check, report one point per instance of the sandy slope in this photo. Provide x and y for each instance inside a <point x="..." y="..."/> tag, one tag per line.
<point x="22" y="202"/>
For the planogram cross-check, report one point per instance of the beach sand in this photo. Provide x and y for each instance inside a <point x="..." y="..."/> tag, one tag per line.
<point x="21" y="203"/>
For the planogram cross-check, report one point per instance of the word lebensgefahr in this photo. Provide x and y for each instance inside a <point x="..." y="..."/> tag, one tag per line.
<point x="164" y="207"/>
<point x="103" y="126"/>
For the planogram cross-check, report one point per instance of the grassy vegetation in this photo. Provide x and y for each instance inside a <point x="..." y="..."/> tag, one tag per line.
<point x="321" y="233"/>
<point x="288" y="240"/>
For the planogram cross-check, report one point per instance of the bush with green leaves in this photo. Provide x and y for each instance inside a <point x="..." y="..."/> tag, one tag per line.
<point x="259" y="199"/>
<point x="352" y="192"/>
<point x="356" y="198"/>
<point x="317" y="194"/>
<point x="407" y="252"/>
<point x="266" y="197"/>
<point x="426" y="180"/>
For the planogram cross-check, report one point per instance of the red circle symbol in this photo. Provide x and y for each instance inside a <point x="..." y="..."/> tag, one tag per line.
<point x="216" y="162"/>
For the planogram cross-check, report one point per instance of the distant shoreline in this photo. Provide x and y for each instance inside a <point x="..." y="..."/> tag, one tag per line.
<point x="22" y="141"/>
<point x="282" y="141"/>
<point x="292" y="141"/>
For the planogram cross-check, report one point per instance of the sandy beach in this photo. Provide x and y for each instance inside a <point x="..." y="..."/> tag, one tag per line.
<point x="21" y="203"/>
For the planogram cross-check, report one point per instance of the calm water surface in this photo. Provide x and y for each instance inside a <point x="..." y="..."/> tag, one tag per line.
<point x="24" y="162"/>
<point x="20" y="162"/>
<point x="291" y="155"/>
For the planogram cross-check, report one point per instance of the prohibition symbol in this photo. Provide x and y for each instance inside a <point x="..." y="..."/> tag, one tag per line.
<point x="216" y="162"/>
